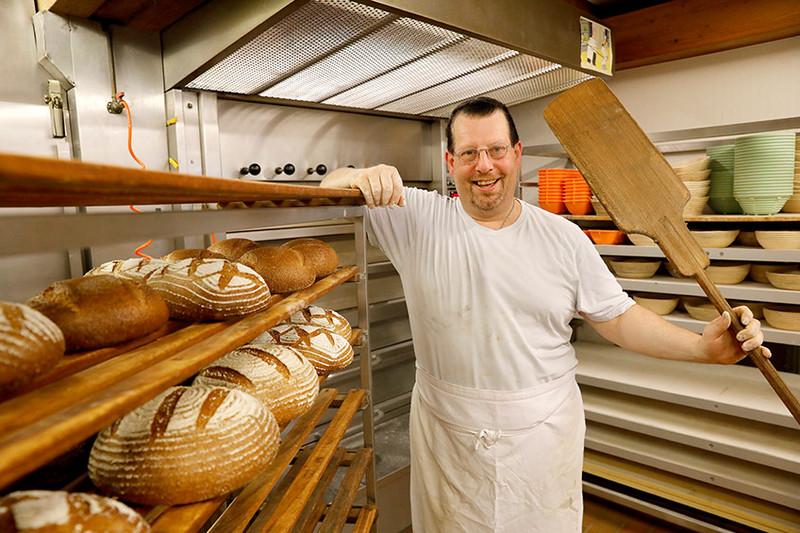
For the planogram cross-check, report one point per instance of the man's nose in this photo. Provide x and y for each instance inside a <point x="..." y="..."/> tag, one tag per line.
<point x="484" y="163"/>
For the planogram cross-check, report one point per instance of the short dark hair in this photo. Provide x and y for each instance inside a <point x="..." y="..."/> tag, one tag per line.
<point x="481" y="106"/>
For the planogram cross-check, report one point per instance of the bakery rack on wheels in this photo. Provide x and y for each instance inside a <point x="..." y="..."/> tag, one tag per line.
<point x="89" y="390"/>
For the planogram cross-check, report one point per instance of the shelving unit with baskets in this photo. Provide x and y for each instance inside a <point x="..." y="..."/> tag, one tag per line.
<point x="88" y="390"/>
<point x="702" y="446"/>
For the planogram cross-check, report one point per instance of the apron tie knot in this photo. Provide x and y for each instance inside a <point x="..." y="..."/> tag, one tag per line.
<point x="488" y="437"/>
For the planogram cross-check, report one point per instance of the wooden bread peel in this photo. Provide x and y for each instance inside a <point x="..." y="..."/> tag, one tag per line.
<point x="640" y="191"/>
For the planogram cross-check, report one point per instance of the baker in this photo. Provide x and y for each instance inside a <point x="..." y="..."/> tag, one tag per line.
<point x="491" y="285"/>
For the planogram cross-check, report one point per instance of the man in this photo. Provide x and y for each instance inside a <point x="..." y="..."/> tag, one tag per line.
<point x="491" y="284"/>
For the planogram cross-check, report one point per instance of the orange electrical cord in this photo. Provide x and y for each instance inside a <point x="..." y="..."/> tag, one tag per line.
<point x="119" y="96"/>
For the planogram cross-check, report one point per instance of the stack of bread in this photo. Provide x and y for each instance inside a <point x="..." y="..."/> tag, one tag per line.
<point x="278" y="376"/>
<point x="293" y="266"/>
<point x="194" y="443"/>
<point x="196" y="289"/>
<point x="30" y="345"/>
<point x="186" y="445"/>
<point x="41" y="511"/>
<point x="327" y="351"/>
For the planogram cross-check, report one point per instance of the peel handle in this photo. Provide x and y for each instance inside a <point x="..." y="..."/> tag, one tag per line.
<point x="763" y="364"/>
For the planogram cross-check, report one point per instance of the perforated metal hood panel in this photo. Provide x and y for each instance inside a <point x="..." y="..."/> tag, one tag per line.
<point x="344" y="53"/>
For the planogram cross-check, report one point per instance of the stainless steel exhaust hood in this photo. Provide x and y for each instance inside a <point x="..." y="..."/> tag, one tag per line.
<point x="408" y="57"/>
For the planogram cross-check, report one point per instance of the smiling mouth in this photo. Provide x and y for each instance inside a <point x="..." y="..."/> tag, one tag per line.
<point x="485" y="184"/>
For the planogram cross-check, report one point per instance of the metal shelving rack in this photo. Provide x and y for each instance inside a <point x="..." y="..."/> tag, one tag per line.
<point x="700" y="442"/>
<point x="65" y="408"/>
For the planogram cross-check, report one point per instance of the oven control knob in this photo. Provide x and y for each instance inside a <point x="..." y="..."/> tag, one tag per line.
<point x="287" y="169"/>
<point x="254" y="169"/>
<point x="321" y="170"/>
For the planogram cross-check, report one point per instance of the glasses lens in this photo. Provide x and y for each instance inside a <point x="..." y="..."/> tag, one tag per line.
<point x="468" y="156"/>
<point x="497" y="151"/>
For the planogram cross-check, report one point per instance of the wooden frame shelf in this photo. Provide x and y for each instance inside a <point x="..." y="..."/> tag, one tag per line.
<point x="44" y="422"/>
<point x="45" y="182"/>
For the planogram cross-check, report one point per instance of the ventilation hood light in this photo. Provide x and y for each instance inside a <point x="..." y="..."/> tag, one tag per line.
<point x="344" y="53"/>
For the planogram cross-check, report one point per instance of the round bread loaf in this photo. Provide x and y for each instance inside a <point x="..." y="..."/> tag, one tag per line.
<point x="277" y="375"/>
<point x="192" y="253"/>
<point x="101" y="310"/>
<point x="324" y="318"/>
<point x="319" y="254"/>
<point x="186" y="445"/>
<point x="284" y="269"/>
<point x="326" y="350"/>
<point x="233" y="249"/>
<point x="44" y="511"/>
<point x="133" y="268"/>
<point x="30" y="345"/>
<point x="210" y="289"/>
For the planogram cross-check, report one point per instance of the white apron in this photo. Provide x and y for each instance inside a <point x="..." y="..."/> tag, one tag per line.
<point x="502" y="461"/>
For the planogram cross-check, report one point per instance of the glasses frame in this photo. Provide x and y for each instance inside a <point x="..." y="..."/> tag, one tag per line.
<point x="459" y="155"/>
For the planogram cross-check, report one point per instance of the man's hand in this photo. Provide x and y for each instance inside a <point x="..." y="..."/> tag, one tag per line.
<point x="717" y="344"/>
<point x="381" y="185"/>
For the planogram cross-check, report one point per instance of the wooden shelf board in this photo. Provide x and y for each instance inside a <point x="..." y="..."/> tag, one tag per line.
<point x="47" y="182"/>
<point x="727" y="504"/>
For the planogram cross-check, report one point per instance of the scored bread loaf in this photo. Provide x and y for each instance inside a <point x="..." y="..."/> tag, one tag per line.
<point x="133" y="268"/>
<point x="101" y="310"/>
<point x="45" y="511"/>
<point x="30" y="344"/>
<point x="318" y="254"/>
<point x="284" y="269"/>
<point x="326" y="350"/>
<point x="210" y="289"/>
<point x="186" y="445"/>
<point x="325" y="318"/>
<point x="233" y="249"/>
<point x="192" y="253"/>
<point x="277" y="375"/>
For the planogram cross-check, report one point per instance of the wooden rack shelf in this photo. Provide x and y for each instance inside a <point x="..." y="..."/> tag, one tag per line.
<point x="44" y="182"/>
<point x="95" y="388"/>
<point x="297" y="502"/>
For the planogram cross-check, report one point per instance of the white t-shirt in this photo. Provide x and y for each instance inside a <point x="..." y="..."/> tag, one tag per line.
<point x="490" y="309"/>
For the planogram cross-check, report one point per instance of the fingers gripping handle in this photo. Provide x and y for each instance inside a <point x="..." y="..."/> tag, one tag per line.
<point x="763" y="364"/>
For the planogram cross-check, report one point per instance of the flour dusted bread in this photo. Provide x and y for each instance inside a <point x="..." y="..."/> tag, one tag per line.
<point x="186" y="445"/>
<point x="101" y="310"/>
<point x="318" y="254"/>
<point x="233" y="249"/>
<point x="192" y="253"/>
<point x="325" y="318"/>
<point x="30" y="345"/>
<point x="133" y="268"/>
<point x="284" y="269"/>
<point x="277" y="375"/>
<point x="326" y="350"/>
<point x="43" y="511"/>
<point x="210" y="289"/>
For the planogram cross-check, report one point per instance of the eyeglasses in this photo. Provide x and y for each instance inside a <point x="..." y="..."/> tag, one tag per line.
<point x="495" y="151"/>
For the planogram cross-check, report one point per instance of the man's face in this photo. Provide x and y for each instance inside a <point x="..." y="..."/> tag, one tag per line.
<point x="485" y="186"/>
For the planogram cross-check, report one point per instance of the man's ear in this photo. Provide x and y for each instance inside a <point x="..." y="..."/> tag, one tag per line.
<point x="449" y="158"/>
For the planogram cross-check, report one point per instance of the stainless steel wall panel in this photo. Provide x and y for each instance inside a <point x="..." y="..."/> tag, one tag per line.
<point x="273" y="136"/>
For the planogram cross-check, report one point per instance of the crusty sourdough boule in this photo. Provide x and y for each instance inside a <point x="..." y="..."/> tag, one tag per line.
<point x="186" y="445"/>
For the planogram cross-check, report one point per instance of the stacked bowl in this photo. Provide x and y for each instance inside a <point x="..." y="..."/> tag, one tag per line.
<point x="763" y="177"/>
<point x="551" y="189"/>
<point x="694" y="173"/>
<point x="563" y="190"/>
<point x="792" y="205"/>
<point x="577" y="195"/>
<point x="720" y="193"/>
